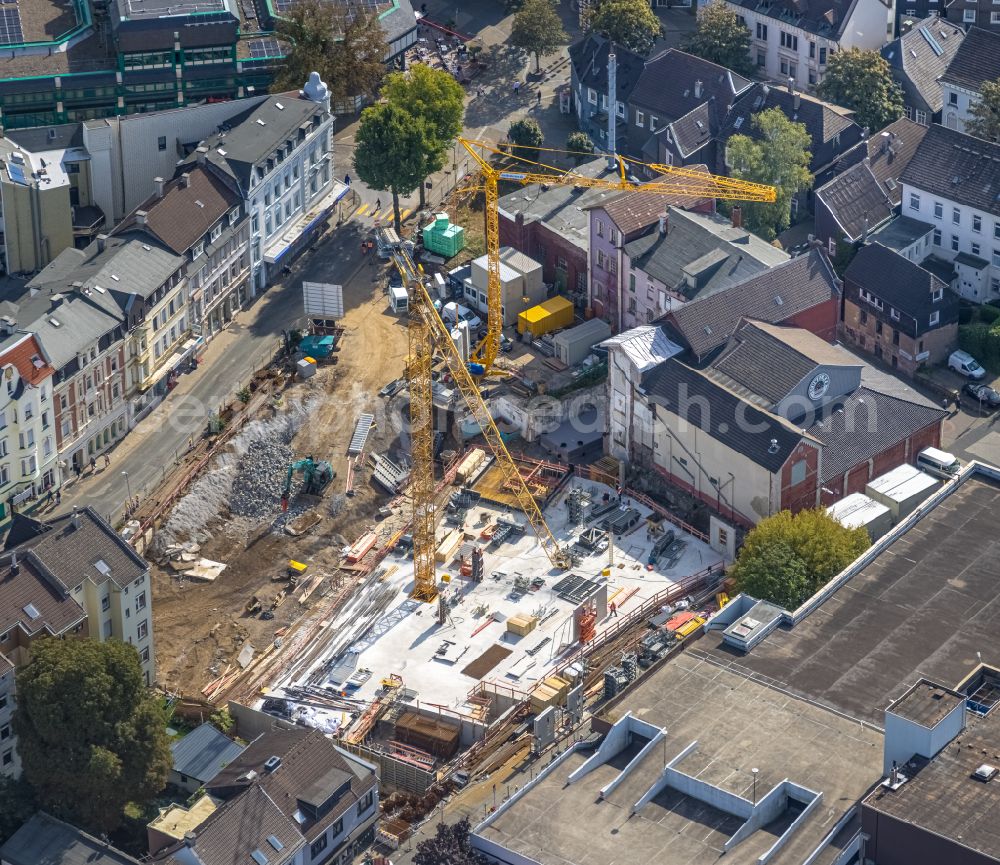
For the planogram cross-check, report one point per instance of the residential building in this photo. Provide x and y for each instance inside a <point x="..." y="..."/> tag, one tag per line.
<point x="84" y="558"/>
<point x="521" y="285"/>
<point x="899" y="312"/>
<point x="200" y="217"/>
<point x="9" y="760"/>
<point x="46" y="839"/>
<point x="28" y="448"/>
<point x="780" y="419"/>
<point x="972" y="13"/>
<point x="801" y="292"/>
<point x="200" y="756"/>
<point x="867" y="195"/>
<point x="918" y="58"/>
<point x="292" y="798"/>
<point x="794" y="40"/>
<point x="589" y="87"/>
<point x="951" y="183"/>
<point x="637" y="277"/>
<point x="976" y="61"/>
<point x="279" y="158"/>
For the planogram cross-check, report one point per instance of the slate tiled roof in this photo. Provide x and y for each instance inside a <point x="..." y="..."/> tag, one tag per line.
<point x="902" y="284"/>
<point x="44" y="840"/>
<point x="635" y="211"/>
<point x="589" y="57"/>
<point x="920" y="57"/>
<point x="695" y="129"/>
<point x="182" y="216"/>
<point x="32" y="590"/>
<point x="958" y="168"/>
<point x="801" y="283"/>
<point x="71" y="553"/>
<point x="763" y="365"/>
<point x="738" y="424"/>
<point x="667" y="85"/>
<point x="822" y="17"/>
<point x="976" y="60"/>
<point x="203" y="753"/>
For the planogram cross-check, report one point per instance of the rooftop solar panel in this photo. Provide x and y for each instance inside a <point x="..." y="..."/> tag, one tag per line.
<point x="11" y="32"/>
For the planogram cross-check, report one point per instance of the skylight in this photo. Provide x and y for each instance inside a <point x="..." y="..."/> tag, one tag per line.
<point x="258" y="857"/>
<point x="103" y="567"/>
<point x="275" y="843"/>
<point x="31" y="611"/>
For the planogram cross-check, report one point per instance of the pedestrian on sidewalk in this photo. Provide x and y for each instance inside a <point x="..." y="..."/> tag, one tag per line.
<point x="614" y="610"/>
<point x="48" y="498"/>
<point x="539" y="97"/>
<point x="93" y="465"/>
<point x="76" y="468"/>
<point x="107" y="461"/>
<point x="517" y="88"/>
<point x="378" y="203"/>
<point x="58" y="497"/>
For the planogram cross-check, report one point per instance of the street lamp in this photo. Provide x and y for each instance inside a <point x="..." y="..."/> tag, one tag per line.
<point x="128" y="486"/>
<point x="754" y="772"/>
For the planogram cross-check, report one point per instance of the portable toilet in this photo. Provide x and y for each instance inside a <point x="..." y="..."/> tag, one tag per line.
<point x="440" y="285"/>
<point x="399" y="300"/>
<point x="442" y="237"/>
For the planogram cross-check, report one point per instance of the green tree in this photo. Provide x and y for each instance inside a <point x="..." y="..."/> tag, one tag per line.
<point x="222" y="720"/>
<point x="436" y="98"/>
<point x="391" y="152"/>
<point x="787" y="557"/>
<point x="450" y="844"/>
<point x="632" y="24"/>
<point x="527" y="137"/>
<point x="984" y="119"/>
<point x="778" y="155"/>
<point x="580" y="144"/>
<point x="721" y="38"/>
<point x="862" y="81"/>
<point x="17" y="804"/>
<point x="346" y="47"/>
<point x="538" y="29"/>
<point x="91" y="738"/>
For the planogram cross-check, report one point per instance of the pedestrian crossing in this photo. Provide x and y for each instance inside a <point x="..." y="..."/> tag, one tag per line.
<point x="384" y="215"/>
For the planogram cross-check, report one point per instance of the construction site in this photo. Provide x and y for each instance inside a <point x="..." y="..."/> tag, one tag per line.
<point x="367" y="550"/>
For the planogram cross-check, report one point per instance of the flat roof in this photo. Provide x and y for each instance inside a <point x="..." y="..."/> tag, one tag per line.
<point x="856" y="510"/>
<point x="904" y="482"/>
<point x="926" y="703"/>
<point x="740" y="725"/>
<point x="90" y="54"/>
<point x="942" y="797"/>
<point x="136" y="10"/>
<point x="921" y="609"/>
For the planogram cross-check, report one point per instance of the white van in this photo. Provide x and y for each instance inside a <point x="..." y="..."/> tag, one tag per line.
<point x="939" y="463"/>
<point x="452" y="313"/>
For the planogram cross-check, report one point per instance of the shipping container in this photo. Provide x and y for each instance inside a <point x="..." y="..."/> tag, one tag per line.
<point x="574" y="344"/>
<point x="553" y="314"/>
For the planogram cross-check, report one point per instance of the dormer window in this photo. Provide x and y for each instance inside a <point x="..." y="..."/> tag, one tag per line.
<point x="198" y="249"/>
<point x="937" y="295"/>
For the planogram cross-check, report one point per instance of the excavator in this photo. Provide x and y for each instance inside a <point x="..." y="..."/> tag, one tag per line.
<point x="316" y="474"/>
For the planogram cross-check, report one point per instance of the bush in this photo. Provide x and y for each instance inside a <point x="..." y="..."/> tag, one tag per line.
<point x="580" y="143"/>
<point x="988" y="314"/>
<point x="527" y="134"/>
<point x="982" y="341"/>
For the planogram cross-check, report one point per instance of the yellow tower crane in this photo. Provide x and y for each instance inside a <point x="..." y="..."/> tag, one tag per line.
<point x="676" y="181"/>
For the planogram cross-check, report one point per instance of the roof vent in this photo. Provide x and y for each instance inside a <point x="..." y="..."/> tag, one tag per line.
<point x="778" y="301"/>
<point x="15" y="568"/>
<point x="272" y="763"/>
<point x="985" y="773"/>
<point x="261" y="122"/>
<point x="773" y="447"/>
<point x="249" y="776"/>
<point x="279" y="106"/>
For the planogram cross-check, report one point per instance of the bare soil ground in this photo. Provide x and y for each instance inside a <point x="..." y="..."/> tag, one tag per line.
<point x="201" y="627"/>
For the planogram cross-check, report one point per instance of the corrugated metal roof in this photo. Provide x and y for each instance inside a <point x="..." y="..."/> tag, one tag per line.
<point x="645" y="346"/>
<point x="203" y="753"/>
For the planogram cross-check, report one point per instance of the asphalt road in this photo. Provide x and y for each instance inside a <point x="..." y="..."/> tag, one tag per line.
<point x="150" y="450"/>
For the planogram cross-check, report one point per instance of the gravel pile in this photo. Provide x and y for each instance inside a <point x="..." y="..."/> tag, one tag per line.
<point x="261" y="476"/>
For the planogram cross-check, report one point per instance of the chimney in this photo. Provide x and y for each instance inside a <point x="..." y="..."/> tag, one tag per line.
<point x="664" y="223"/>
<point x="186" y="178"/>
<point x="141" y="217"/>
<point x="791" y="84"/>
<point x="15" y="568"/>
<point x="796" y="101"/>
<point x="893" y="775"/>
<point x="737" y="216"/>
<point x="697" y="89"/>
<point x="75" y="519"/>
<point x="190" y="838"/>
<point x="102" y="242"/>
<point x="202" y="152"/>
<point x="159" y="186"/>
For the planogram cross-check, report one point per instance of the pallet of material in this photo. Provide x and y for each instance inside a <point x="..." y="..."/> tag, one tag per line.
<point x="470" y="465"/>
<point x="361" y="547"/>
<point x="449" y="546"/>
<point x="522" y="624"/>
<point x="551" y="691"/>
<point x="434" y="735"/>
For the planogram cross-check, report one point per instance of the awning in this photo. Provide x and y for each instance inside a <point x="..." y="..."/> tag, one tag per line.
<point x="170" y="364"/>
<point x="303" y="224"/>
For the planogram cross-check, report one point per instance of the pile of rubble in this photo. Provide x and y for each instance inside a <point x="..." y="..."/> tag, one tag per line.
<point x="260" y="479"/>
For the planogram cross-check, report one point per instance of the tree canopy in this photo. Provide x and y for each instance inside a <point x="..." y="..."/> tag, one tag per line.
<point x="862" y="81"/>
<point x="984" y="119"/>
<point x="632" y="24"/>
<point x="787" y="557"/>
<point x="346" y="47"/>
<point x="721" y="38"/>
<point x="538" y="29"/>
<point x="392" y="151"/>
<point x="527" y="135"/>
<point x="91" y="738"/>
<point x="580" y="144"/>
<point x="449" y="846"/>
<point x="778" y="154"/>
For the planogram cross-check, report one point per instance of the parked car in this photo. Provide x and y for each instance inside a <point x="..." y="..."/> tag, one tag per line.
<point x="392" y="388"/>
<point x="965" y="364"/>
<point x="983" y="394"/>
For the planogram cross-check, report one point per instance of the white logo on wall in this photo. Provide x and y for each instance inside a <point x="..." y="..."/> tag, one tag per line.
<point x="819" y="386"/>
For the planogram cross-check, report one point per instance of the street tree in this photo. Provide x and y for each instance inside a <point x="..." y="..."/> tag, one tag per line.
<point x="538" y="29"/>
<point x="778" y="155"/>
<point x="984" y="119"/>
<point x="632" y="24"/>
<point x="862" y="81"/>
<point x="721" y="38"/>
<point x="449" y="844"/>
<point x="787" y="557"/>
<point x="438" y="100"/>
<point x="391" y="152"/>
<point x="579" y="144"/>
<point x="346" y="46"/>
<point x="527" y="137"/>
<point x="91" y="738"/>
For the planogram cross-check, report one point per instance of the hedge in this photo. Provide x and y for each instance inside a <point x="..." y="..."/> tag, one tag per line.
<point x="982" y="341"/>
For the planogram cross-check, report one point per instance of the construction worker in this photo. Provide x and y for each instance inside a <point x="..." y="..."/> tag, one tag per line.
<point x="614" y="610"/>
